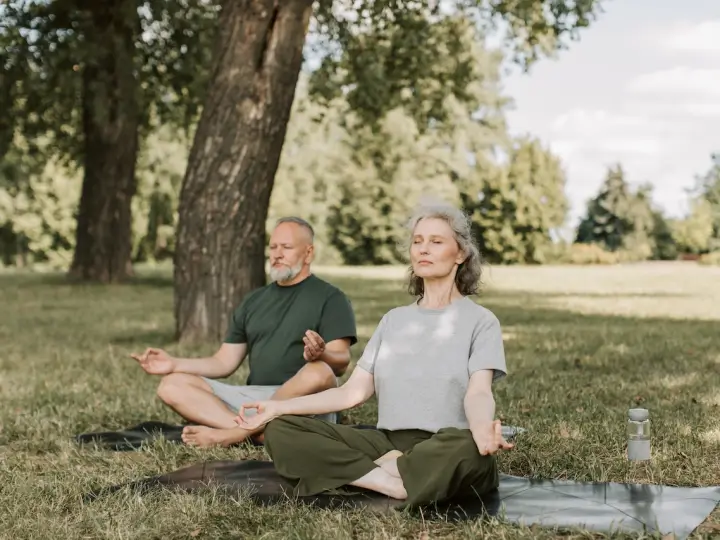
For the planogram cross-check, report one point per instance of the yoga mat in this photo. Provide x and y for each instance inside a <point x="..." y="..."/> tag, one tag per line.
<point x="601" y="507"/>
<point x="133" y="437"/>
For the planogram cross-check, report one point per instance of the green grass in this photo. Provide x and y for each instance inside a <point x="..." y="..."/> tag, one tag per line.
<point x="583" y="345"/>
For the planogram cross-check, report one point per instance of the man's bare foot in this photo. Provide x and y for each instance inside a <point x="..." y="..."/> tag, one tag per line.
<point x="206" y="437"/>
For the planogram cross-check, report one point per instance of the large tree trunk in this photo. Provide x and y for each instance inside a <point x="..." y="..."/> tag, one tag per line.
<point x="231" y="168"/>
<point x="111" y="119"/>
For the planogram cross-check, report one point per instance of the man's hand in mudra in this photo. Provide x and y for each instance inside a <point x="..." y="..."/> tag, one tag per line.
<point x="314" y="346"/>
<point x="490" y="440"/>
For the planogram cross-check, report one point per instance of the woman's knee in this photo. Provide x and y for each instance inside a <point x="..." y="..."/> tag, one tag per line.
<point x="461" y="447"/>
<point x="280" y="432"/>
<point x="279" y="427"/>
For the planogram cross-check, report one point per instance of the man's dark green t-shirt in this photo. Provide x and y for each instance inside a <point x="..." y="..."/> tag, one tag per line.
<point x="273" y="320"/>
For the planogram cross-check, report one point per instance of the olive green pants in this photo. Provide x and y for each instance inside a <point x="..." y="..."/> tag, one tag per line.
<point x="318" y="456"/>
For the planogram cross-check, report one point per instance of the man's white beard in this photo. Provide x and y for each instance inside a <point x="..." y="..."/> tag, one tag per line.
<point x="285" y="273"/>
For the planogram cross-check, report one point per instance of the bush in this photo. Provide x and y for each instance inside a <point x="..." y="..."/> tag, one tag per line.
<point x="581" y="253"/>
<point x="712" y="258"/>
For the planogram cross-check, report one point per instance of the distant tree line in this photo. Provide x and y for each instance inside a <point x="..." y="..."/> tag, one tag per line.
<point x="357" y="185"/>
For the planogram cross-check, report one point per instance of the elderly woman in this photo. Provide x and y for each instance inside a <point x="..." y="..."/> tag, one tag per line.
<point x="432" y="364"/>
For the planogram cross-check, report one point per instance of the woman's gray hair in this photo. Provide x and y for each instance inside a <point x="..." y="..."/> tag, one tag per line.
<point x="469" y="272"/>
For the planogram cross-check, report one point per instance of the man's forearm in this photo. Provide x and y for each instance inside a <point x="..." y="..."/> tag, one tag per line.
<point x="479" y="410"/>
<point x="209" y="367"/>
<point x="337" y="360"/>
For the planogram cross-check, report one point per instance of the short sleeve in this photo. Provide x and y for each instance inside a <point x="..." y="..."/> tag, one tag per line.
<point x="487" y="350"/>
<point x="236" y="332"/>
<point x="370" y="353"/>
<point x="337" y="320"/>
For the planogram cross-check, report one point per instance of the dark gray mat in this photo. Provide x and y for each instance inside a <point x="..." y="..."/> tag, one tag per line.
<point x="601" y="507"/>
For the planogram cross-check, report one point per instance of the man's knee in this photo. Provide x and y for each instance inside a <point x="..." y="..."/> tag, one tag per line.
<point x="318" y="376"/>
<point x="173" y="387"/>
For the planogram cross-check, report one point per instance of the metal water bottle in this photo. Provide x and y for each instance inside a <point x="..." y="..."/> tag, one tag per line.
<point x="638" y="446"/>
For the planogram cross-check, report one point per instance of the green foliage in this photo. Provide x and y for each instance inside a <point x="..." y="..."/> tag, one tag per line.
<point x="710" y="259"/>
<point x="708" y="188"/>
<point x="161" y="167"/>
<point x="38" y="200"/>
<point x="311" y="163"/>
<point x="384" y="54"/>
<point x="662" y="234"/>
<point x="620" y="219"/>
<point x="581" y="254"/>
<point x="387" y="174"/>
<point x="48" y="45"/>
<point x="37" y="204"/>
<point x="357" y="180"/>
<point x="694" y="233"/>
<point x="516" y="208"/>
<point x="408" y="90"/>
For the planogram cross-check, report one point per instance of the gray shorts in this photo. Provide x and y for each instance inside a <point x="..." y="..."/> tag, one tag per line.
<point x="235" y="396"/>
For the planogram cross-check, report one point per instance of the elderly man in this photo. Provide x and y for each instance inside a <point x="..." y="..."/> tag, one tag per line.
<point x="297" y="331"/>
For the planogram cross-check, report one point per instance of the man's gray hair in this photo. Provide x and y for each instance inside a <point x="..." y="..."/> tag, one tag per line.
<point x="298" y="221"/>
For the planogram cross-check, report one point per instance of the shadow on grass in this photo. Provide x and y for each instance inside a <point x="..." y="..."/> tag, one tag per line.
<point x="158" y="337"/>
<point x="581" y="294"/>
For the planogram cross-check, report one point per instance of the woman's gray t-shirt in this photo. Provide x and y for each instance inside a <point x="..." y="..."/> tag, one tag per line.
<point x="422" y="359"/>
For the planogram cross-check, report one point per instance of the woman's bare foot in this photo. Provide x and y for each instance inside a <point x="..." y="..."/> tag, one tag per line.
<point x="381" y="481"/>
<point x="392" y="454"/>
<point x="206" y="437"/>
<point x="388" y="462"/>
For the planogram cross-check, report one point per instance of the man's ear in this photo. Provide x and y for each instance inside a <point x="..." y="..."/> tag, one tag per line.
<point x="310" y="254"/>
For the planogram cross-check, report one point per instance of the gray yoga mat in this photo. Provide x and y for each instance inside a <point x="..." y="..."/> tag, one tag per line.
<point x="601" y="507"/>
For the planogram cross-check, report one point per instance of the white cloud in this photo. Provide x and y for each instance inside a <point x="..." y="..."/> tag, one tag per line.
<point x="703" y="37"/>
<point x="681" y="80"/>
<point x="702" y="110"/>
<point x="598" y="130"/>
<point x="584" y="120"/>
<point x="590" y="140"/>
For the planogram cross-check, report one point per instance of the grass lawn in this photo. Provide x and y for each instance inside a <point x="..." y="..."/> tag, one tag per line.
<point x="583" y="345"/>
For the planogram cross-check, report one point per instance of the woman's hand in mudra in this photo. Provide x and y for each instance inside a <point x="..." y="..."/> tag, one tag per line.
<point x="490" y="440"/>
<point x="265" y="412"/>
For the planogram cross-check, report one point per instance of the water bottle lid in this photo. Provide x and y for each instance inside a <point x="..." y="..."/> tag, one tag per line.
<point x="638" y="415"/>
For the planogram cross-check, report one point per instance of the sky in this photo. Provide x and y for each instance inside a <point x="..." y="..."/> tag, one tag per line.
<point x="641" y="87"/>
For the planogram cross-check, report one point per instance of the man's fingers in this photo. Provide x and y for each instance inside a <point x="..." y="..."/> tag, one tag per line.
<point x="311" y="350"/>
<point x="257" y="406"/>
<point x="308" y="343"/>
<point x="315" y="338"/>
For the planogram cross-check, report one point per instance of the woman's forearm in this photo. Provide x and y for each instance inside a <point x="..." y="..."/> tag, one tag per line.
<point x="328" y="401"/>
<point x="479" y="411"/>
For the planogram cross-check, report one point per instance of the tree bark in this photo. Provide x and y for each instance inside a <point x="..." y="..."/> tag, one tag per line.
<point x="111" y="118"/>
<point x="220" y="253"/>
